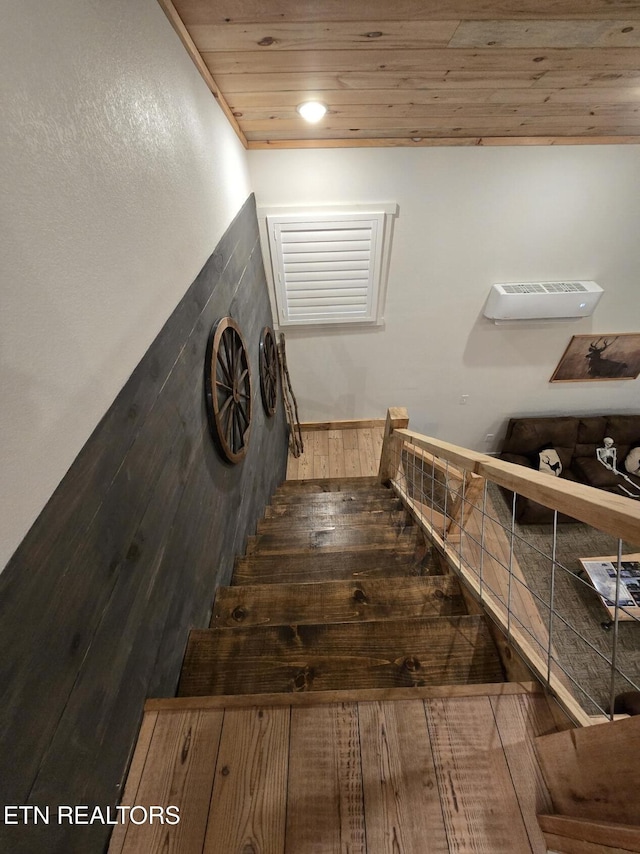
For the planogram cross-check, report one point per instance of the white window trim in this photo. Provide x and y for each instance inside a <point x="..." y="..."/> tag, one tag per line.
<point x="385" y="213"/>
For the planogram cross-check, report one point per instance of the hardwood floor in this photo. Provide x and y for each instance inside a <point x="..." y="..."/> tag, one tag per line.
<point x="351" y="452"/>
<point x="421" y="776"/>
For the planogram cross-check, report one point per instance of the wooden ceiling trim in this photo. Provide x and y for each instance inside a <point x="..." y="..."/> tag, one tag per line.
<point x="178" y="25"/>
<point x="436" y="142"/>
<point x="511" y="60"/>
<point x="291" y="11"/>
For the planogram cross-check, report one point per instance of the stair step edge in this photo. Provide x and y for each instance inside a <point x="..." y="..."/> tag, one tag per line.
<point x="330" y="481"/>
<point x="375" y="519"/>
<point x="358" y="695"/>
<point x="478" y="619"/>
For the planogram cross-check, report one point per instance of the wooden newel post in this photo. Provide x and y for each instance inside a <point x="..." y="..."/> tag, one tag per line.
<point x="397" y="418"/>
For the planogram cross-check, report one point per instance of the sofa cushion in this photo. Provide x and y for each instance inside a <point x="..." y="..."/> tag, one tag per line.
<point x="594" y="473"/>
<point x="528" y="435"/>
<point x="591" y="432"/>
<point x="623" y="429"/>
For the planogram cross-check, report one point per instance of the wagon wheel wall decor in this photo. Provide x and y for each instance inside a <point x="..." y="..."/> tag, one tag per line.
<point x="268" y="371"/>
<point x="228" y="389"/>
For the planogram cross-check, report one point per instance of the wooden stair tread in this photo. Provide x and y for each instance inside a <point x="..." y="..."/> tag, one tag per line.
<point x="294" y="499"/>
<point x="330" y="506"/>
<point x="292" y="524"/>
<point x="329" y="484"/>
<point x="384" y="561"/>
<point x="337" y="601"/>
<point x="331" y="538"/>
<point x="391" y="653"/>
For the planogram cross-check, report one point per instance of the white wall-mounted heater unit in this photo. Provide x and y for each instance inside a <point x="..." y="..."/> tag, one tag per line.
<point x="542" y="301"/>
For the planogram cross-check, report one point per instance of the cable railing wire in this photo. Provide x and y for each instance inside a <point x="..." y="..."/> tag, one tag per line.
<point x="446" y="495"/>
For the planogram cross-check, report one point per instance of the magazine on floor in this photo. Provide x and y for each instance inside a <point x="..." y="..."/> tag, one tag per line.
<point x="602" y="574"/>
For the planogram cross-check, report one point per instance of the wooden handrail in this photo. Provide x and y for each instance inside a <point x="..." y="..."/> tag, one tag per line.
<point x="509" y="604"/>
<point x="613" y="514"/>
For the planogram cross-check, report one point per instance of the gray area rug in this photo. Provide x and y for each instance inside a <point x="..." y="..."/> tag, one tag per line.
<point x="578" y="636"/>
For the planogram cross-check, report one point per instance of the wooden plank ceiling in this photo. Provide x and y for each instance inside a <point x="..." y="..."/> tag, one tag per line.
<point x="420" y="72"/>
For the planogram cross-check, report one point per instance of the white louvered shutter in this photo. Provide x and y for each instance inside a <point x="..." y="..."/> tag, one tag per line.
<point x="326" y="268"/>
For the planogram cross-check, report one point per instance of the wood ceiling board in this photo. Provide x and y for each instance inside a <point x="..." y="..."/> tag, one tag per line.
<point x="600" y="79"/>
<point x="355" y="81"/>
<point x="442" y="60"/>
<point x="325" y="35"/>
<point x="343" y="99"/>
<point x="561" y="34"/>
<point x="593" y="96"/>
<point x="473" y="130"/>
<point x="335" y="81"/>
<point x="476" y="69"/>
<point x="404" y="115"/>
<point x="439" y="142"/>
<point x="424" y="125"/>
<point x="383" y="97"/>
<point x="250" y="11"/>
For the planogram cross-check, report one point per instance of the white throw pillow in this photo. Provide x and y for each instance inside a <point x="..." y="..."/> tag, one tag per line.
<point x="550" y="462"/>
<point x="632" y="461"/>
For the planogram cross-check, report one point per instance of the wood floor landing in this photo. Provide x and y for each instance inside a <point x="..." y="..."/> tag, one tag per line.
<point x="423" y="776"/>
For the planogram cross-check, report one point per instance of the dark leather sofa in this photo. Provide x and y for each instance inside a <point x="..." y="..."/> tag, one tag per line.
<point x="575" y="439"/>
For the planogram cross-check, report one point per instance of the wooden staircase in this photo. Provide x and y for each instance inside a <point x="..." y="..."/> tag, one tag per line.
<point x="383" y="615"/>
<point x="343" y="699"/>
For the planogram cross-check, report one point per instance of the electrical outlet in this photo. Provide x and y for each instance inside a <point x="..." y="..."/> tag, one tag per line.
<point x="464" y="399"/>
<point x="489" y="437"/>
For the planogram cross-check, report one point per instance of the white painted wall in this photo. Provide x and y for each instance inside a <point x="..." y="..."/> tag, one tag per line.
<point x="118" y="175"/>
<point x="469" y="217"/>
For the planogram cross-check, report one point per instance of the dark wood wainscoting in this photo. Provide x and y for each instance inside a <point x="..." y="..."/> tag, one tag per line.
<point x="97" y="602"/>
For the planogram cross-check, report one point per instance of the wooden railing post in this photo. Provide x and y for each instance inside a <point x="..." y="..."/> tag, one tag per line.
<point x="592" y="774"/>
<point x="471" y="486"/>
<point x="397" y="418"/>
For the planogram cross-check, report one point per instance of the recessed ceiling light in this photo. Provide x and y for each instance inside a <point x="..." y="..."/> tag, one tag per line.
<point x="312" y="111"/>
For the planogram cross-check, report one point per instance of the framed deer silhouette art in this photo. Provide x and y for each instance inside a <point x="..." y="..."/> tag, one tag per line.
<point x="593" y="358"/>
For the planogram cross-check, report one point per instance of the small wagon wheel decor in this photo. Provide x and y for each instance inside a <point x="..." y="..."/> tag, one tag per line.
<point x="228" y="389"/>
<point x="268" y="371"/>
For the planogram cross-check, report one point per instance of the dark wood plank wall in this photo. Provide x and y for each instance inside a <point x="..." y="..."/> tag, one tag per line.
<point x="97" y="602"/>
